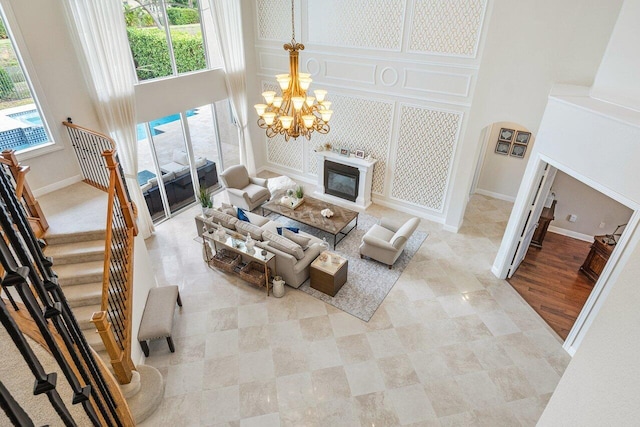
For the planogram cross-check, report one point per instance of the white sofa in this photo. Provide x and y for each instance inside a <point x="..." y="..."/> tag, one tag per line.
<point x="293" y="269"/>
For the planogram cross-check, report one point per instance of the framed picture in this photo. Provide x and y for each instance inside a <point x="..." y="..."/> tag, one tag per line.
<point x="359" y="154"/>
<point x="518" y="150"/>
<point x="344" y="152"/>
<point x="523" y="137"/>
<point x="506" y="135"/>
<point x="503" y="147"/>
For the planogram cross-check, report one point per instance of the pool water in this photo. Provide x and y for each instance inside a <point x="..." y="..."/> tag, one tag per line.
<point x="142" y="133"/>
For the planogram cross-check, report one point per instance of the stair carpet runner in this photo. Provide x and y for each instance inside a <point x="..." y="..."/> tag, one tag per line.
<point x="79" y="262"/>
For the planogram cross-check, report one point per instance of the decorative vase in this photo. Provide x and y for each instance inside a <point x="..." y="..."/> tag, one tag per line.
<point x="249" y="243"/>
<point x="278" y="287"/>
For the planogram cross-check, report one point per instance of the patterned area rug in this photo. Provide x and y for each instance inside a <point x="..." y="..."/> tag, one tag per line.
<point x="368" y="281"/>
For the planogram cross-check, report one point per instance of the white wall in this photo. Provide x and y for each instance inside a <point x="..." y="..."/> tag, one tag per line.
<point x="529" y="47"/>
<point x="44" y="42"/>
<point x="617" y="80"/>
<point x="501" y="174"/>
<point x="600" y="387"/>
<point x="590" y="206"/>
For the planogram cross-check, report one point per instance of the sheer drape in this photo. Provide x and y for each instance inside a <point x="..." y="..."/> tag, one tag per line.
<point x="228" y="18"/>
<point x="100" y="34"/>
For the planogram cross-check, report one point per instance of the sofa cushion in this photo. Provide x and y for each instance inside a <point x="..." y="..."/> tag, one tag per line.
<point x="228" y="209"/>
<point x="247" y="228"/>
<point x="242" y="216"/>
<point x="297" y="238"/>
<point x="292" y="229"/>
<point x="224" y="219"/>
<point x="180" y="156"/>
<point x="283" y="244"/>
<point x="200" y="161"/>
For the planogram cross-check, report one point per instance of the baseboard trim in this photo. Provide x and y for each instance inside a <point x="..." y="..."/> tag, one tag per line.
<point x="498" y="196"/>
<point x="57" y="185"/>
<point x="569" y="233"/>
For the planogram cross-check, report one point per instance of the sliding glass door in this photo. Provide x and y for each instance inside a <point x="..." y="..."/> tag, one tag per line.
<point x="182" y="153"/>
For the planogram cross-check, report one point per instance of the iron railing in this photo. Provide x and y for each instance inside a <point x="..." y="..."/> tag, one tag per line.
<point x="44" y="315"/>
<point x="99" y="164"/>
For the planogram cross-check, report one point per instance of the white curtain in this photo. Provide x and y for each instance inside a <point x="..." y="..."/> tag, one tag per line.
<point x="228" y="18"/>
<point x="101" y="35"/>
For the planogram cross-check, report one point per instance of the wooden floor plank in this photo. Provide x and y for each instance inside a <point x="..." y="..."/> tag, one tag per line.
<point x="550" y="281"/>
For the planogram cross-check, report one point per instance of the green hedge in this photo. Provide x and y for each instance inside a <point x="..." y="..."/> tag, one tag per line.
<point x="151" y="54"/>
<point x="3" y="31"/>
<point x="6" y="85"/>
<point x="182" y="16"/>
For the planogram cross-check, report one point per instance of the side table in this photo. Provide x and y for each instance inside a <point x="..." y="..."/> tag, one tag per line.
<point x="328" y="276"/>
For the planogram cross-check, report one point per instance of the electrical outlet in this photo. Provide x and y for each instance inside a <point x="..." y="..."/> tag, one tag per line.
<point x="602" y="224"/>
<point x="572" y="218"/>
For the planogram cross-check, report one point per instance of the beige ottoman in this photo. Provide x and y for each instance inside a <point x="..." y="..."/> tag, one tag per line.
<point x="157" y="318"/>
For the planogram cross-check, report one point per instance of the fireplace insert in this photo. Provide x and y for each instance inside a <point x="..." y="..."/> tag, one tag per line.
<point x="341" y="180"/>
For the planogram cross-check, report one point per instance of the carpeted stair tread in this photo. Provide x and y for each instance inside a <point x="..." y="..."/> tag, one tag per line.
<point x="79" y="273"/>
<point x="83" y="315"/>
<point x="94" y="340"/>
<point x="54" y="238"/>
<point x="85" y="294"/>
<point x="147" y="400"/>
<point x="68" y="253"/>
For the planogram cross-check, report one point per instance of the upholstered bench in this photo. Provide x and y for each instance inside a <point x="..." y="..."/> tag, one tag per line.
<point x="157" y="318"/>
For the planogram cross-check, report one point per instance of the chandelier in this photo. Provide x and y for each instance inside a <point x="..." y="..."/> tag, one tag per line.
<point x="294" y="113"/>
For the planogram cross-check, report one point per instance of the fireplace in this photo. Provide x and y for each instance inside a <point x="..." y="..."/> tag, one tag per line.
<point x="341" y="180"/>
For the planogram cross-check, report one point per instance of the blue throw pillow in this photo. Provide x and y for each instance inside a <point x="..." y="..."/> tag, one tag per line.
<point x="242" y="216"/>
<point x="293" y="229"/>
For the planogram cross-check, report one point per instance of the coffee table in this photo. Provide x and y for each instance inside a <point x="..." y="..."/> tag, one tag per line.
<point x="309" y="213"/>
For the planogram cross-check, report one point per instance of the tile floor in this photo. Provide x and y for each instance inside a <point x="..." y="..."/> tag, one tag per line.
<point x="450" y="345"/>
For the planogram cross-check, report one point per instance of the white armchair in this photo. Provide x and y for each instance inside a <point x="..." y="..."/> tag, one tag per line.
<point x="244" y="191"/>
<point x="385" y="242"/>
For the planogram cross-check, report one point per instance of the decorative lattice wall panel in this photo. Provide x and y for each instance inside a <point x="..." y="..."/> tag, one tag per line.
<point x="274" y="20"/>
<point x="426" y="144"/>
<point x="359" y="124"/>
<point x="447" y="26"/>
<point x="354" y="23"/>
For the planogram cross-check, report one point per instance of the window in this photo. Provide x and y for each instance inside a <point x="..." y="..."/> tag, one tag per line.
<point x="21" y="124"/>
<point x="166" y="37"/>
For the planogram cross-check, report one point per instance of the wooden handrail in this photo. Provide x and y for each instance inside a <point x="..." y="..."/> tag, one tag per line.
<point x="113" y="322"/>
<point x="35" y="214"/>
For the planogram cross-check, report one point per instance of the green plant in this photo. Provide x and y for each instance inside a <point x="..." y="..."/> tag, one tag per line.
<point x="205" y="199"/>
<point x="182" y="16"/>
<point x="151" y="52"/>
<point x="7" y="87"/>
<point x="299" y="192"/>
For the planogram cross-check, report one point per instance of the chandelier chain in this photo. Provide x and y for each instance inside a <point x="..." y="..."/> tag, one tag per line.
<point x="293" y="25"/>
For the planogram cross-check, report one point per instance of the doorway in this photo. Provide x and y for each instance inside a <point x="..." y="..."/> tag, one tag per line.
<point x="522" y="215"/>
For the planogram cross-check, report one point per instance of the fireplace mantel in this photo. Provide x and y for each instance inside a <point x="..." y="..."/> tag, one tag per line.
<point x="365" y="167"/>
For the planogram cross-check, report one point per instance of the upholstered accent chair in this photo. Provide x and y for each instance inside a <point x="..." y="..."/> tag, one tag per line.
<point x="385" y="242"/>
<point x="244" y="191"/>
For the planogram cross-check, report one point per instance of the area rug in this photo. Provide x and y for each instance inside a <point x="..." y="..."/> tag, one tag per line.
<point x="368" y="281"/>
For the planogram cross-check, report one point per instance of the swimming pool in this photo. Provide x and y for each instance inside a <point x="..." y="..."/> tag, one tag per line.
<point x="142" y="133"/>
<point x="18" y="137"/>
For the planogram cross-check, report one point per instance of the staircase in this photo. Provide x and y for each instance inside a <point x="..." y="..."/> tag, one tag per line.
<point x="79" y="261"/>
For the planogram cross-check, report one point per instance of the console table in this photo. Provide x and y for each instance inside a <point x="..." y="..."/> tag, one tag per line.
<point x="597" y="258"/>
<point x="229" y="254"/>
<point x="547" y="215"/>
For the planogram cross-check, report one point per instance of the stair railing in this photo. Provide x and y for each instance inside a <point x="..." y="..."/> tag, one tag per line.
<point x="113" y="322"/>
<point x="35" y="216"/>
<point x="43" y="314"/>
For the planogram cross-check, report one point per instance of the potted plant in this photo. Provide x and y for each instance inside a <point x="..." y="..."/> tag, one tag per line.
<point x="205" y="201"/>
<point x="299" y="192"/>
